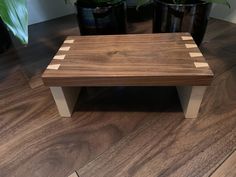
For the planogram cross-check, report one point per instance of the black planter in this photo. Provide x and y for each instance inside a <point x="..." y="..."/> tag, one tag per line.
<point x="142" y="14"/>
<point x="5" y="40"/>
<point x="102" y="19"/>
<point x="191" y="18"/>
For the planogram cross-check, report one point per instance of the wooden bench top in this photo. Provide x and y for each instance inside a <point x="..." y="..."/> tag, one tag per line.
<point x="166" y="59"/>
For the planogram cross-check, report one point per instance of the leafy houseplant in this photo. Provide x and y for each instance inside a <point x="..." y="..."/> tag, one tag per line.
<point x="101" y="16"/>
<point x="182" y="16"/>
<point x="14" y="15"/>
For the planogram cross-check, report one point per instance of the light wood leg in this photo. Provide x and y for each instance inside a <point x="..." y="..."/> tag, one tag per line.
<point x="74" y="175"/>
<point x="65" y="98"/>
<point x="191" y="98"/>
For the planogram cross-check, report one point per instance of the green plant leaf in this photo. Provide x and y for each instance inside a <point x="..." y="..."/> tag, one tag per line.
<point x="15" y="15"/>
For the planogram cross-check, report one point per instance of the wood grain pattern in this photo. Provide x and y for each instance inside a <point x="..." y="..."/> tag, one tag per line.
<point x="175" y="150"/>
<point x="228" y="168"/>
<point x="36" y="142"/>
<point x="128" y="60"/>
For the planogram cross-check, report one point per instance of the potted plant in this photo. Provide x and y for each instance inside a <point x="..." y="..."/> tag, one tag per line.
<point x="101" y="16"/>
<point x="5" y="40"/>
<point x="182" y="16"/>
<point x="13" y="17"/>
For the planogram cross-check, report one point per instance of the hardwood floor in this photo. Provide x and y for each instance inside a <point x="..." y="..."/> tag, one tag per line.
<point x="227" y="169"/>
<point x="121" y="131"/>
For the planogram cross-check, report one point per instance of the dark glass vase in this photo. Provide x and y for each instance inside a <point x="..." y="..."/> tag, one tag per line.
<point x="102" y="19"/>
<point x="192" y="17"/>
<point x="5" y="40"/>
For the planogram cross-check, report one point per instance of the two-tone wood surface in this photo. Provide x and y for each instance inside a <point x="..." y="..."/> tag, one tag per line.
<point x="36" y="142"/>
<point x="128" y="60"/>
<point x="165" y="59"/>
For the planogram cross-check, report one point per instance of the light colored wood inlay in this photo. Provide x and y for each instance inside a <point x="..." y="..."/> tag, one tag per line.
<point x="129" y="60"/>
<point x="201" y="64"/>
<point x="69" y="41"/>
<point x="59" y="57"/>
<point x="53" y="66"/>
<point x="64" y="49"/>
<point x="187" y="38"/>
<point x="189" y="46"/>
<point x="195" y="54"/>
<point x="73" y="175"/>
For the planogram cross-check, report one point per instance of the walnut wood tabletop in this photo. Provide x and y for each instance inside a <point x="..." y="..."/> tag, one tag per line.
<point x="166" y="59"/>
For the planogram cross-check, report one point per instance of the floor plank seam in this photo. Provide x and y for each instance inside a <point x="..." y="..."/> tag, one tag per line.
<point x="226" y="158"/>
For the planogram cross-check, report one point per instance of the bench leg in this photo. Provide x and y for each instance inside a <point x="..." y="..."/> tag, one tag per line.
<point x="74" y="175"/>
<point x="190" y="99"/>
<point x="65" y="98"/>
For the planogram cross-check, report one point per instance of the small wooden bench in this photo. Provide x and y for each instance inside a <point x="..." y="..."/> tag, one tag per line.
<point x="167" y="59"/>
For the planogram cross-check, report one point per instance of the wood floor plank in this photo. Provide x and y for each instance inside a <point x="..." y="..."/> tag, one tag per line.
<point x="187" y="148"/>
<point x="228" y="168"/>
<point x="141" y="130"/>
